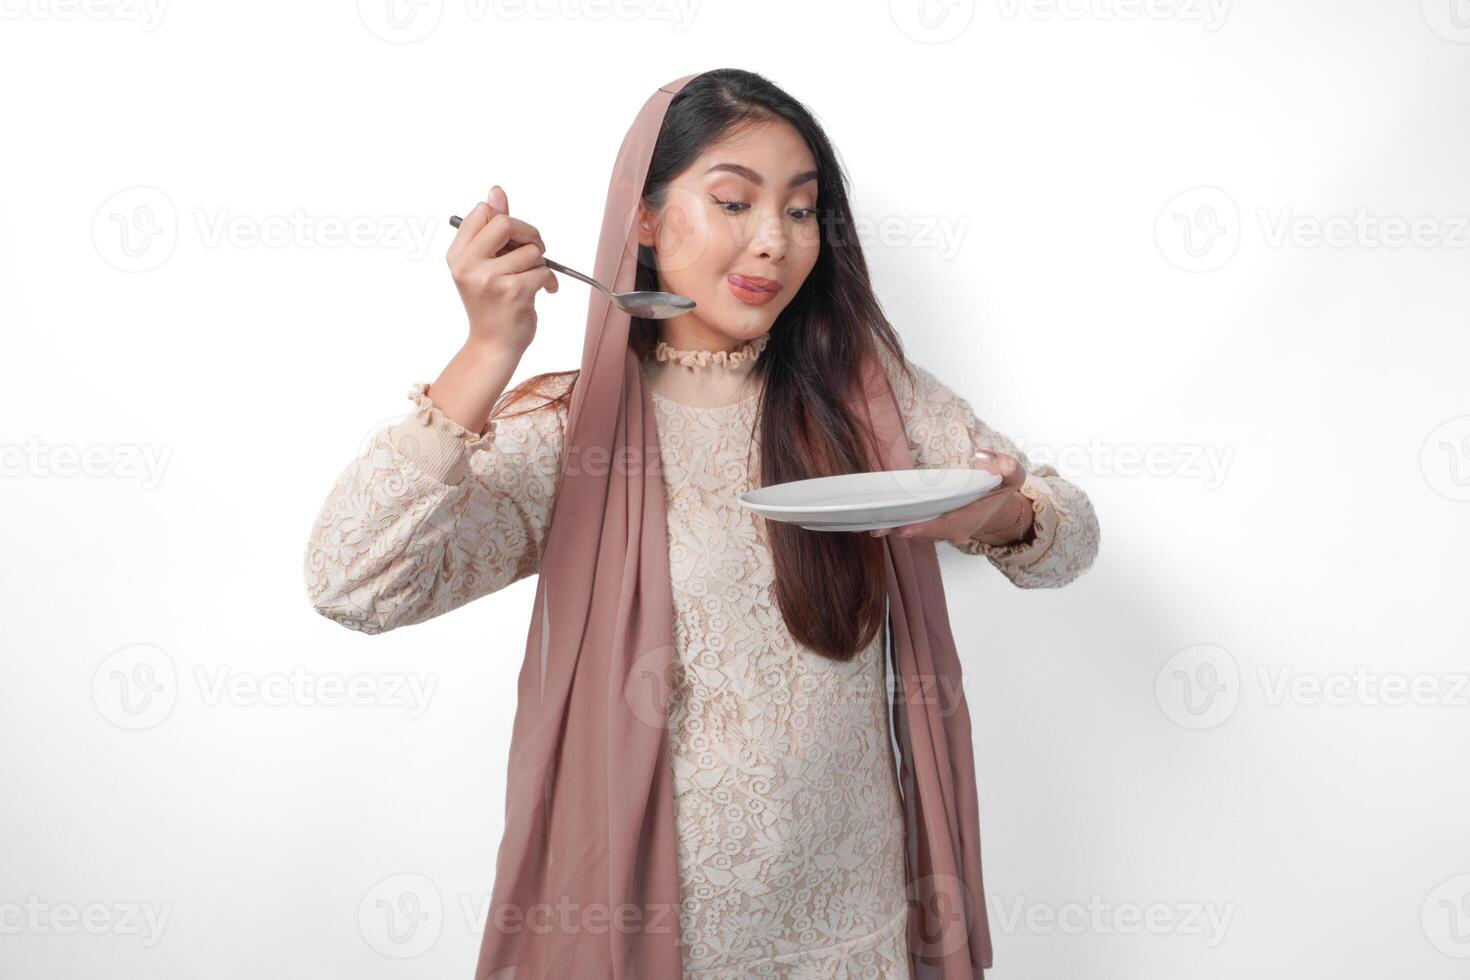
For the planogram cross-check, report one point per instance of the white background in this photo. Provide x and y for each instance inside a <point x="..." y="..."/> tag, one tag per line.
<point x="1212" y="258"/>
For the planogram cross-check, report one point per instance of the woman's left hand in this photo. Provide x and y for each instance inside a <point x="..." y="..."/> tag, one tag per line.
<point x="993" y="512"/>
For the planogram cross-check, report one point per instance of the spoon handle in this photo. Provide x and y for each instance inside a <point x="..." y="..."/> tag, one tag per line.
<point x="558" y="267"/>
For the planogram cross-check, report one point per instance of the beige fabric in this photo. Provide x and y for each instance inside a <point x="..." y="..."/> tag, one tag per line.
<point x="790" y="823"/>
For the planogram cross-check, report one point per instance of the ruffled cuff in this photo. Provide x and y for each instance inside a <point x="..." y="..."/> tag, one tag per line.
<point x="437" y="445"/>
<point x="1023" y="553"/>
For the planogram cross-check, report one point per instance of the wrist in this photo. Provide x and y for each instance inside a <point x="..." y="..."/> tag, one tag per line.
<point x="1017" y="528"/>
<point x="470" y="384"/>
<point x="491" y="355"/>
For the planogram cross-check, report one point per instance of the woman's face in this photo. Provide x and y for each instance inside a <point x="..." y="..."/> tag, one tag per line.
<point x="738" y="234"/>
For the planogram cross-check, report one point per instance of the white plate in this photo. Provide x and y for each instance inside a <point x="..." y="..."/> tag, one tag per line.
<point x="863" y="501"/>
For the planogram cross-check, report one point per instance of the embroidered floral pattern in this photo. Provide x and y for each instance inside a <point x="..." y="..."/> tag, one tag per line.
<point x="394" y="545"/>
<point x="791" y="827"/>
<point x="790" y="848"/>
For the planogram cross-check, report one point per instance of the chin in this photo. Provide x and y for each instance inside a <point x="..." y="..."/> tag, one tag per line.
<point x="741" y="320"/>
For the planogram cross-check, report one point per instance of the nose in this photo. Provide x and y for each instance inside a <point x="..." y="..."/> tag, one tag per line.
<point x="769" y="239"/>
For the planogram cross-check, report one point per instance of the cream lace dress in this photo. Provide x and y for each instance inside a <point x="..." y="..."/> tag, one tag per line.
<point x="786" y="795"/>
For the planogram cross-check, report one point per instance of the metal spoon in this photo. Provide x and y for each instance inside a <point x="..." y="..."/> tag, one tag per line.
<point x="647" y="303"/>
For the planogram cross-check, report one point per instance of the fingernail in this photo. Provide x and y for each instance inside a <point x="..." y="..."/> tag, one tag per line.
<point x="982" y="454"/>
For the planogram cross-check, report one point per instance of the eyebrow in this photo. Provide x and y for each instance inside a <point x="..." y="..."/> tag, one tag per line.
<point x="757" y="179"/>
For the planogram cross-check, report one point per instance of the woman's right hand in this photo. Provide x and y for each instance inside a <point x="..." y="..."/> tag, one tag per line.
<point x="497" y="264"/>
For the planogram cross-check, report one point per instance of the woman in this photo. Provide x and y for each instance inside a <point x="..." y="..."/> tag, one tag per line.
<point x="769" y="768"/>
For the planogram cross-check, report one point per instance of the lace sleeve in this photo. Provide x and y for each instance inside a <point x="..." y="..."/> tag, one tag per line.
<point x="431" y="516"/>
<point x="944" y="433"/>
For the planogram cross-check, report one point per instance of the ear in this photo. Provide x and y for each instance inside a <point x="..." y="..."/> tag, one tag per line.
<point x="647" y="226"/>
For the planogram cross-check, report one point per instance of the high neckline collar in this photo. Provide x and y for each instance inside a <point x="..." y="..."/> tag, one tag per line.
<point x="704" y="378"/>
<point x="747" y="351"/>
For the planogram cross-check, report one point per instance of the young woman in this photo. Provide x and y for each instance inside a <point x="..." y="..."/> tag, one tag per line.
<point x="790" y="817"/>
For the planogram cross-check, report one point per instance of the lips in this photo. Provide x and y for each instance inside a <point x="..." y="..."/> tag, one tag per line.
<point x="757" y="283"/>
<point x="752" y="290"/>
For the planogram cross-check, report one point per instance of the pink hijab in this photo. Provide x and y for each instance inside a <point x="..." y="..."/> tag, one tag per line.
<point x="586" y="879"/>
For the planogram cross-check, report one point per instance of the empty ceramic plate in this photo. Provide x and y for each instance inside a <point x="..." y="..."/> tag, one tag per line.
<point x="863" y="501"/>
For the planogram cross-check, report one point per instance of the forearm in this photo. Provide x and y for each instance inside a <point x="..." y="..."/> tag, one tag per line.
<point x="471" y="383"/>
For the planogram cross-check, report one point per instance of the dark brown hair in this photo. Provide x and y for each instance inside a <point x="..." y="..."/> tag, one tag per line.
<point x="830" y="586"/>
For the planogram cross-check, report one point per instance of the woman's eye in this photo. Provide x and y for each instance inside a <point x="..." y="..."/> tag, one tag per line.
<point x="735" y="207"/>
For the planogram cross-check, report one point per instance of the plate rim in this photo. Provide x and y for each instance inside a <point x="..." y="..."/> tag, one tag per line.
<point x="842" y="508"/>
